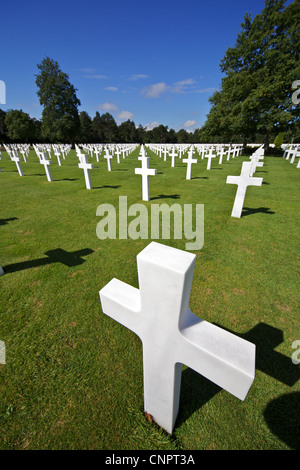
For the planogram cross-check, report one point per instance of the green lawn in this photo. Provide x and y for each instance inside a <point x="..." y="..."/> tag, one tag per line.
<point x="73" y="377"/>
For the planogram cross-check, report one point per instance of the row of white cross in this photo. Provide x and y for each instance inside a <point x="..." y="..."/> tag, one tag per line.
<point x="242" y="181"/>
<point x="291" y="152"/>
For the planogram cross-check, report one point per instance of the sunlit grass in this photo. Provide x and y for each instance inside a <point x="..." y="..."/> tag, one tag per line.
<point x="73" y="377"/>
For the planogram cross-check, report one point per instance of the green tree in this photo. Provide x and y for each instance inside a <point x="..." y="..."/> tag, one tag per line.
<point x="255" y="96"/>
<point x="159" y="134"/>
<point x="182" y="136"/>
<point x="97" y="128"/>
<point x="86" y="128"/>
<point x="108" y="128"/>
<point x="60" y="119"/>
<point x="127" y="132"/>
<point x="141" y="134"/>
<point x="20" y="126"/>
<point x="279" y="140"/>
<point x="3" y="129"/>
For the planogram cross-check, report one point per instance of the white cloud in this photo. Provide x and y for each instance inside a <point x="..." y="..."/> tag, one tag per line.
<point x="137" y="76"/>
<point x="87" y="70"/>
<point x="189" y="123"/>
<point x="124" y="115"/>
<point x="155" y="90"/>
<point x="95" y="76"/>
<point x="206" y="90"/>
<point x="151" y="126"/>
<point x="188" y="81"/>
<point x="108" y="106"/>
<point x="111" y="88"/>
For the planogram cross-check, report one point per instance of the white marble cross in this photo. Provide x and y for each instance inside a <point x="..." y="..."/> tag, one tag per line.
<point x="86" y="167"/>
<point x="118" y="153"/>
<point x="97" y="151"/>
<point x="189" y="161"/>
<point x="158" y="312"/>
<point x="23" y="152"/>
<point x="229" y="152"/>
<point x="255" y="163"/>
<point x="58" y="157"/>
<point x="222" y="153"/>
<point x="46" y="163"/>
<point x="108" y="158"/>
<point x="173" y="154"/>
<point x="17" y="159"/>
<point x="242" y="181"/>
<point x="209" y="156"/>
<point x="145" y="171"/>
<point x="295" y="153"/>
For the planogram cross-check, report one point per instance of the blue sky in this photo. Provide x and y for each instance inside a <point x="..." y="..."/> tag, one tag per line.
<point x="151" y="62"/>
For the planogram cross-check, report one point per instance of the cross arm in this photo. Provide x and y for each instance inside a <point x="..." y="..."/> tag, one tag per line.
<point x="232" y="180"/>
<point x="223" y="358"/>
<point x="122" y="302"/>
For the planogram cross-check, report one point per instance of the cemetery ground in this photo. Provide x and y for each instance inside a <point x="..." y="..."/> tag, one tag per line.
<point x="73" y="377"/>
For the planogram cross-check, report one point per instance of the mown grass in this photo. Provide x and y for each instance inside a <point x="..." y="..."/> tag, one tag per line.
<point x="73" y="377"/>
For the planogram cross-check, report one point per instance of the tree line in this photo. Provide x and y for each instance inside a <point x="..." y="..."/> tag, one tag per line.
<point x="18" y="126"/>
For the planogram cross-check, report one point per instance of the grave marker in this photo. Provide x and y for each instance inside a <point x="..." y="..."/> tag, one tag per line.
<point x="158" y="312"/>
<point x="86" y="167"/>
<point x="17" y="159"/>
<point x="189" y="161"/>
<point x="46" y="163"/>
<point x="209" y="156"/>
<point x="145" y="172"/>
<point x="243" y="181"/>
<point x="173" y="154"/>
<point x="108" y="158"/>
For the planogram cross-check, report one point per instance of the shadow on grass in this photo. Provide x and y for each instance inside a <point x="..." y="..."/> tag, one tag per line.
<point x="53" y="256"/>
<point x="200" y="178"/>
<point x="108" y="186"/>
<point x="5" y="221"/>
<point x="68" y="179"/>
<point x="37" y="174"/>
<point x="249" y="211"/>
<point x="166" y="196"/>
<point x="282" y="417"/>
<point x="196" y="390"/>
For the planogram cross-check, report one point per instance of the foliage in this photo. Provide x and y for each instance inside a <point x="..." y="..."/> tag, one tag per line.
<point x="20" y="127"/>
<point x="58" y="96"/>
<point x="255" y="94"/>
<point x="279" y="140"/>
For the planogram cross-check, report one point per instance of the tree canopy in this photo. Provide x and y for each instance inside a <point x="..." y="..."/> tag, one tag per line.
<point x="60" y="119"/>
<point x="255" y="96"/>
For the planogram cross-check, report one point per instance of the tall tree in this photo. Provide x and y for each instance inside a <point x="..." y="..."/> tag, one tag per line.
<point x="127" y="132"/>
<point x="86" y="130"/>
<point x="3" y="129"/>
<point x="58" y="96"/>
<point x="255" y="96"/>
<point x="109" y="128"/>
<point x="96" y="128"/>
